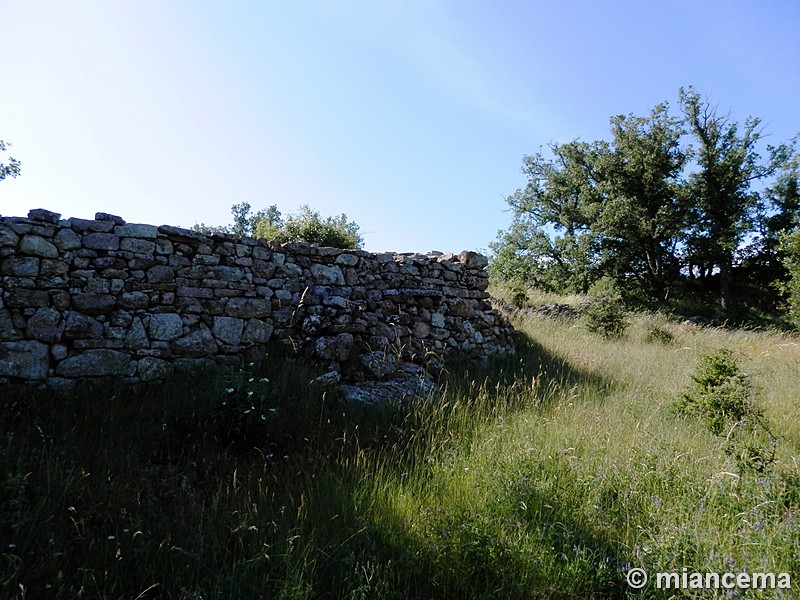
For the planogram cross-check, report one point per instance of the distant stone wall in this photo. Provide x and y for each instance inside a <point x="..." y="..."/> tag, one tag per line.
<point x="98" y="298"/>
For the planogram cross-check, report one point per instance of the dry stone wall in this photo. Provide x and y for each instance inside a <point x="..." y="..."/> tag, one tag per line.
<point x="97" y="298"/>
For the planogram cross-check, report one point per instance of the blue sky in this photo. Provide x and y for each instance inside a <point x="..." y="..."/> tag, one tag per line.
<point x="410" y="116"/>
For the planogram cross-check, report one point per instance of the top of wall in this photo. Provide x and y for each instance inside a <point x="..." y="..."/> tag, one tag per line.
<point x="101" y="297"/>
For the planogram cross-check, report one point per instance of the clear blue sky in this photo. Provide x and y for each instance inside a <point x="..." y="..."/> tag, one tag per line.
<point x="410" y="116"/>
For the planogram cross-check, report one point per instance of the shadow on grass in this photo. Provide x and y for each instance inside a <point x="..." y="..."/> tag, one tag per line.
<point x="252" y="483"/>
<point x="532" y="361"/>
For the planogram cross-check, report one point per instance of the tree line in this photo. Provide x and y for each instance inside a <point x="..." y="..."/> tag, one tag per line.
<point x="693" y="205"/>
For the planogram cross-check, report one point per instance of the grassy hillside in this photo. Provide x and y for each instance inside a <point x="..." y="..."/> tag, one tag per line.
<point x="544" y="475"/>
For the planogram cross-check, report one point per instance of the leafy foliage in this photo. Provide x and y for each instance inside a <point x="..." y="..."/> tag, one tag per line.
<point x="725" y="205"/>
<point x="605" y="313"/>
<point x="669" y="206"/>
<point x="658" y="334"/>
<point x="791" y="259"/>
<point x="307" y="225"/>
<point x="12" y="169"/>
<point x="722" y="396"/>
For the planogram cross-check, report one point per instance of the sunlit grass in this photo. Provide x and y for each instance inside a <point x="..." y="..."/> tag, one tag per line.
<point x="543" y="475"/>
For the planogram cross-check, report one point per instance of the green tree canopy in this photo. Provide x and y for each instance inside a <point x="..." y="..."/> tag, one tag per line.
<point x="669" y="202"/>
<point x="725" y="203"/>
<point x="307" y="225"/>
<point x="600" y="208"/>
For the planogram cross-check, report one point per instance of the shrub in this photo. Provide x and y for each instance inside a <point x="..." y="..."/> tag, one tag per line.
<point x="605" y="314"/>
<point x="657" y="334"/>
<point x="721" y="394"/>
<point x="307" y="225"/>
<point x="519" y="298"/>
<point x="723" y="397"/>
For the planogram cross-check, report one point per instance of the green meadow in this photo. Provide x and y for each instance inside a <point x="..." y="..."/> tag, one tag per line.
<point x="547" y="474"/>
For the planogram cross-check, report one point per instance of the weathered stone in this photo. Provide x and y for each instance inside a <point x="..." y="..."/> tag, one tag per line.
<point x="247" y="308"/>
<point x="473" y="260"/>
<point x="163" y="247"/>
<point x="25" y="298"/>
<point x="194" y="292"/>
<point x="60" y="299"/>
<point x="83" y="225"/>
<point x="165" y="327"/>
<point x="120" y="318"/>
<point x="137" y="245"/>
<point x="312" y="326"/>
<point x="136" y="230"/>
<point x="66" y="239"/>
<point x="421" y="330"/>
<point x="437" y="319"/>
<point x="264" y="269"/>
<point x="26" y="359"/>
<point x="329" y="378"/>
<point x="348" y="260"/>
<point x="160" y="274"/>
<point x="94" y="304"/>
<point x="291" y="270"/>
<point x="335" y="348"/>
<point x="101" y="216"/>
<point x="328" y="275"/>
<point x="33" y="245"/>
<point x="80" y="326"/>
<point x="137" y="336"/>
<point x="461" y="308"/>
<point x="224" y="273"/>
<point x="257" y="332"/>
<point x="59" y="351"/>
<point x="44" y="325"/>
<point x="46" y="216"/>
<point x="101" y="241"/>
<point x="228" y="330"/>
<point x="337" y="301"/>
<point x="134" y="300"/>
<point x="21" y="266"/>
<point x="198" y="343"/>
<point x="8" y="237"/>
<point x="8" y="330"/>
<point x="379" y="364"/>
<point x="96" y="285"/>
<point x="150" y="369"/>
<point x="139" y="264"/>
<point x="100" y="362"/>
<point x="52" y="266"/>
<point x="181" y="233"/>
<point x="207" y="260"/>
<point x="262" y="253"/>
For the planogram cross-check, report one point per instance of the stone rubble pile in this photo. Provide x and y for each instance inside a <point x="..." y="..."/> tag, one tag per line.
<point x="104" y="298"/>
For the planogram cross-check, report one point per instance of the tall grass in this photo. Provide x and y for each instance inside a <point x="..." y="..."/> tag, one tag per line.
<point x="548" y="474"/>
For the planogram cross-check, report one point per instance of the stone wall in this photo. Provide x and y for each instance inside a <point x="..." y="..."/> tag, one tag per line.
<point x="96" y="298"/>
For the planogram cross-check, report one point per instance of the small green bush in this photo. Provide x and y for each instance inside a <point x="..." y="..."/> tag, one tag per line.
<point x="519" y="298"/>
<point x="656" y="334"/>
<point x="723" y="397"/>
<point x="605" y="314"/>
<point x="721" y="394"/>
